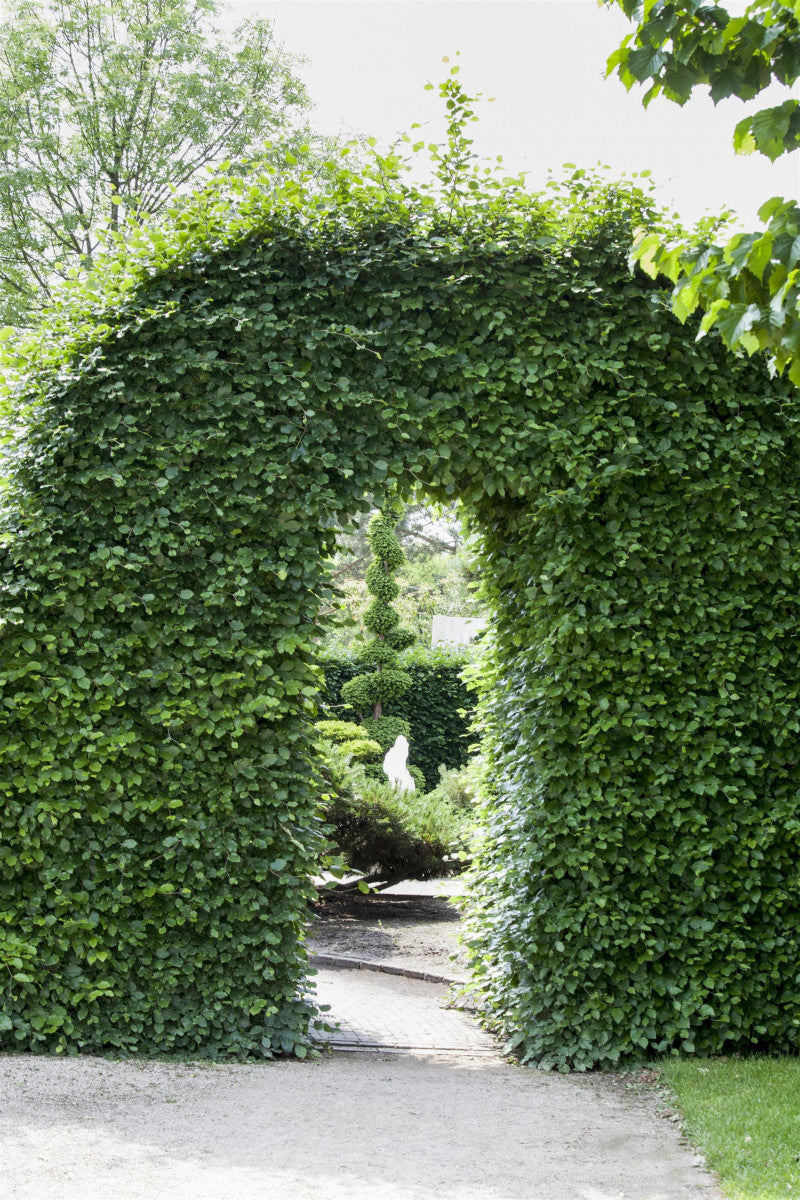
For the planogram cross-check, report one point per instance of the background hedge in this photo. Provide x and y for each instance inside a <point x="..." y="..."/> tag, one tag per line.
<point x="439" y="707"/>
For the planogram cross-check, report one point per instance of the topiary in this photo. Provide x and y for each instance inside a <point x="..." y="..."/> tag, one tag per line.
<point x="339" y="731"/>
<point x="438" y="708"/>
<point x="361" y="749"/>
<point x="349" y="740"/>
<point x="385" y="683"/>
<point x="373" y="691"/>
<point x="386" y="730"/>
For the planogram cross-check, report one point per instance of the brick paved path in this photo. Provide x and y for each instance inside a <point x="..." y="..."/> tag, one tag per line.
<point x="375" y="1011"/>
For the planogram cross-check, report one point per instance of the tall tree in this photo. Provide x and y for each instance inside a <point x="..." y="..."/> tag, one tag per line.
<point x="750" y="286"/>
<point x="107" y="107"/>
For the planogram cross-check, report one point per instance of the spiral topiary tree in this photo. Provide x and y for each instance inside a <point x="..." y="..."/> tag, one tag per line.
<point x="385" y="682"/>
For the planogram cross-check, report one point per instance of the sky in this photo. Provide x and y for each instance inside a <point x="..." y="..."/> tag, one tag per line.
<point x="543" y="62"/>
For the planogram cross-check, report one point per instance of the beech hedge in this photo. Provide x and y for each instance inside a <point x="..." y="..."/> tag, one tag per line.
<point x="197" y="419"/>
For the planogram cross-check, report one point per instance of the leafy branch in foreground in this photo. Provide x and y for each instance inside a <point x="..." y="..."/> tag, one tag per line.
<point x="749" y="287"/>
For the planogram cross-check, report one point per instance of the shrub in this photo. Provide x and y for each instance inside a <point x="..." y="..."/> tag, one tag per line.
<point x="196" y="423"/>
<point x="436" y="712"/>
<point x="419" y="779"/>
<point x="339" y="731"/>
<point x="386" y="730"/>
<point x="391" y="834"/>
<point x="459" y="788"/>
<point x="361" y="749"/>
<point x="350" y="740"/>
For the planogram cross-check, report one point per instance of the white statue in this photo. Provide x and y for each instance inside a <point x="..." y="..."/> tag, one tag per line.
<point x="394" y="765"/>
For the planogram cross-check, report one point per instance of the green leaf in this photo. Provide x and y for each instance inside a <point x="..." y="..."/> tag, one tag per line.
<point x="744" y="141"/>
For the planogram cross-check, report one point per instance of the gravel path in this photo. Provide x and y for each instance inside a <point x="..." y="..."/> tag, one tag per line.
<point x="411" y="1124"/>
<point x="348" y="1127"/>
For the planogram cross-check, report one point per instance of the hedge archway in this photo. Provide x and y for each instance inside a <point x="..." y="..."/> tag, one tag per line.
<point x="169" y="510"/>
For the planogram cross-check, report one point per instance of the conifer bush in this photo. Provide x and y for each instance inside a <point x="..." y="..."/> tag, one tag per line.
<point x="387" y="834"/>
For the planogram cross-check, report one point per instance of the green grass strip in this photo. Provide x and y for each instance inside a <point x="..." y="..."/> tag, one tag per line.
<point x="744" y="1114"/>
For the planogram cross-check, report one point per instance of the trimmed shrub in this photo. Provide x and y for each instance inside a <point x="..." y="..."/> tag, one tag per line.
<point x="366" y="692"/>
<point x="438" y="708"/>
<point x="339" y="731"/>
<point x="361" y="749"/>
<point x="350" y="740"/>
<point x="385" y="683"/>
<point x="386" y="730"/>
<point x="396" y="835"/>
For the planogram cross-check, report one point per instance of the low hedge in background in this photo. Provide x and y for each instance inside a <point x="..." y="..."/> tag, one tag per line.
<point x="438" y="706"/>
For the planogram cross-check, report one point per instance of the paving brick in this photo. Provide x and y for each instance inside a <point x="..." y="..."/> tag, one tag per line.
<point x="376" y="1011"/>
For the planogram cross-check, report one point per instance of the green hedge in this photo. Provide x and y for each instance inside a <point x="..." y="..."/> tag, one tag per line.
<point x="438" y="706"/>
<point x="200" y="422"/>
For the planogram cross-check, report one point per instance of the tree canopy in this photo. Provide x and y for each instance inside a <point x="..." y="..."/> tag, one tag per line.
<point x="107" y="107"/>
<point x="748" y="287"/>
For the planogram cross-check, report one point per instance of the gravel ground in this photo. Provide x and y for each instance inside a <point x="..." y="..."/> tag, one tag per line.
<point x="350" y="1126"/>
<point x="347" y="1127"/>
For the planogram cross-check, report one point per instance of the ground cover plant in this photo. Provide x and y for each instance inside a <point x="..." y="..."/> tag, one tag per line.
<point x="199" y="421"/>
<point x="386" y="834"/>
<point x="744" y="1113"/>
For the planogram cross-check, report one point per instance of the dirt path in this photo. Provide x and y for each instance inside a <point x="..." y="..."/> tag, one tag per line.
<point x="401" y="928"/>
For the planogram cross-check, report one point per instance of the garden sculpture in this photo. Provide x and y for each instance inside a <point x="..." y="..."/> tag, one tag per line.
<point x="394" y="765"/>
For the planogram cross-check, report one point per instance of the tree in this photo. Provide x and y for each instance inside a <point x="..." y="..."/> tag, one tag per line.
<point x="750" y="286"/>
<point x="437" y="576"/>
<point x="385" y="681"/>
<point x="107" y="107"/>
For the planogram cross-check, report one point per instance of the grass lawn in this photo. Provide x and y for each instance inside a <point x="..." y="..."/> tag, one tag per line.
<point x="744" y="1114"/>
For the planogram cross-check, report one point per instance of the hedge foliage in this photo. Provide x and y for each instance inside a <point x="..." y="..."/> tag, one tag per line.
<point x="199" y="417"/>
<point x="438" y="706"/>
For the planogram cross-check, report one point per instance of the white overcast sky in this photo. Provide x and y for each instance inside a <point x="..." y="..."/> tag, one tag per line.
<point x="544" y="62"/>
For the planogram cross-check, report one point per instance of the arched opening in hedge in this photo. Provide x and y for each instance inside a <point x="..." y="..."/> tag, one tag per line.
<point x="166" y="521"/>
